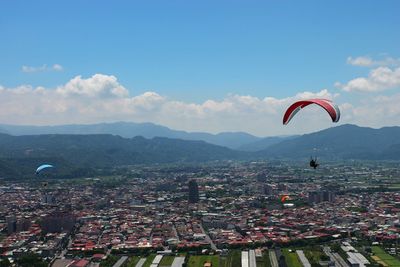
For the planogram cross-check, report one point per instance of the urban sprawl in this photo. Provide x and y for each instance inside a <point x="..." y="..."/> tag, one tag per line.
<point x="218" y="214"/>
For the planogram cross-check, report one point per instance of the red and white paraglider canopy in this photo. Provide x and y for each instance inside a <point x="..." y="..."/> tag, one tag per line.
<point x="326" y="104"/>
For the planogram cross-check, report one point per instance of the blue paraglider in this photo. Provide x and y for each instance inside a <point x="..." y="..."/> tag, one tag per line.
<point x="42" y="167"/>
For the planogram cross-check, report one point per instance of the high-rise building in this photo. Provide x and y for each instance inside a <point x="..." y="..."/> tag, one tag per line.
<point x="11" y="224"/>
<point x="57" y="222"/>
<point x="268" y="190"/>
<point x="321" y="196"/>
<point x="282" y="187"/>
<point x="48" y="199"/>
<point x="15" y="225"/>
<point x="23" y="224"/>
<point x="328" y="196"/>
<point x="193" y="191"/>
<point x="261" y="177"/>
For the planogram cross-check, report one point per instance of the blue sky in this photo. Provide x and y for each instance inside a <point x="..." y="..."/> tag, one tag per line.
<point x="194" y="51"/>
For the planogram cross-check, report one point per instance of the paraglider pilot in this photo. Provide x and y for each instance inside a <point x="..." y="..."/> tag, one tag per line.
<point x="313" y="163"/>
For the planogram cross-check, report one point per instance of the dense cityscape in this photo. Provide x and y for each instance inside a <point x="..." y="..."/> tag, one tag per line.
<point x="216" y="214"/>
<point x="212" y="133"/>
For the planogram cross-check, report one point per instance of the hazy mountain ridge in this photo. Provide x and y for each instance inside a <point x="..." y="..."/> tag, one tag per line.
<point x="341" y="142"/>
<point x="103" y="151"/>
<point x="231" y="140"/>
<point x="264" y="143"/>
<point x="82" y="154"/>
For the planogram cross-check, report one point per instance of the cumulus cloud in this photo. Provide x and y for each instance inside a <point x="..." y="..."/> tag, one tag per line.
<point x="366" y="61"/>
<point x="375" y="112"/>
<point x="360" y="61"/>
<point x="379" y="79"/>
<point x="43" y="68"/>
<point x="101" y="98"/>
<point x="98" y="85"/>
<point x="57" y="67"/>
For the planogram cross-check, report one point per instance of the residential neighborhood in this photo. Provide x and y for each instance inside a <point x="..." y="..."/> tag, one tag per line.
<point x="154" y="213"/>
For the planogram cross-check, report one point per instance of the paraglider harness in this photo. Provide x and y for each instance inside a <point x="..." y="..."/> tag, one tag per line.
<point x="313" y="163"/>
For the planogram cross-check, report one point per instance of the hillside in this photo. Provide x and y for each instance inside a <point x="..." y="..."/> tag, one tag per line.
<point x="264" y="143"/>
<point x="342" y="142"/>
<point x="103" y="151"/>
<point x="231" y="140"/>
<point x="80" y="155"/>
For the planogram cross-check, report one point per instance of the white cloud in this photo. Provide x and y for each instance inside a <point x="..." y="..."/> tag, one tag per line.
<point x="43" y="68"/>
<point x="57" y="67"/>
<point x="379" y="79"/>
<point x="33" y="69"/>
<point x="360" y="61"/>
<point x="101" y="98"/>
<point x="366" y="61"/>
<point x="98" y="85"/>
<point x="376" y="112"/>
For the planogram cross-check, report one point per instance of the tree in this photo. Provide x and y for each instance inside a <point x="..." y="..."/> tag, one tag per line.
<point x="4" y="262"/>
<point x="324" y="257"/>
<point x="31" y="260"/>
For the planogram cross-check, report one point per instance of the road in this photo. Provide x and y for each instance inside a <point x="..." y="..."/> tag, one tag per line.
<point x="140" y="262"/>
<point x="252" y="258"/>
<point x="65" y="250"/>
<point x="339" y="261"/>
<point x="281" y="262"/>
<point x="121" y="261"/>
<point x="208" y="239"/>
<point x="272" y="258"/>
<point x="175" y="232"/>
<point x="303" y="258"/>
<point x="178" y="262"/>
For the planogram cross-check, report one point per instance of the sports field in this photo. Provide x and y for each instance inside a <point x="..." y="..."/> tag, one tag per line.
<point x="198" y="261"/>
<point x="380" y="256"/>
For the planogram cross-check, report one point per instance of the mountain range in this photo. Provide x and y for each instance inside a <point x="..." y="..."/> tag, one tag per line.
<point x="78" y="154"/>
<point x="20" y="155"/>
<point x="234" y="140"/>
<point x="342" y="142"/>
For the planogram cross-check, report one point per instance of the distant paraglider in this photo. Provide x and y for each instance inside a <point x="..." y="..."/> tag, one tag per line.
<point x="41" y="172"/>
<point x="284" y="198"/>
<point x="326" y="104"/>
<point x="42" y="167"/>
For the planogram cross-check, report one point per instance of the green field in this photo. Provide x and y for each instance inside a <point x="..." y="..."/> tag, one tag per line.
<point x="394" y="186"/>
<point x="291" y="258"/>
<point x="233" y="259"/>
<point x="149" y="260"/>
<point x="132" y="261"/>
<point x="313" y="255"/>
<point x="264" y="261"/>
<point x="223" y="262"/>
<point x="167" y="260"/>
<point x="198" y="261"/>
<point x="110" y="261"/>
<point x="385" y="257"/>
